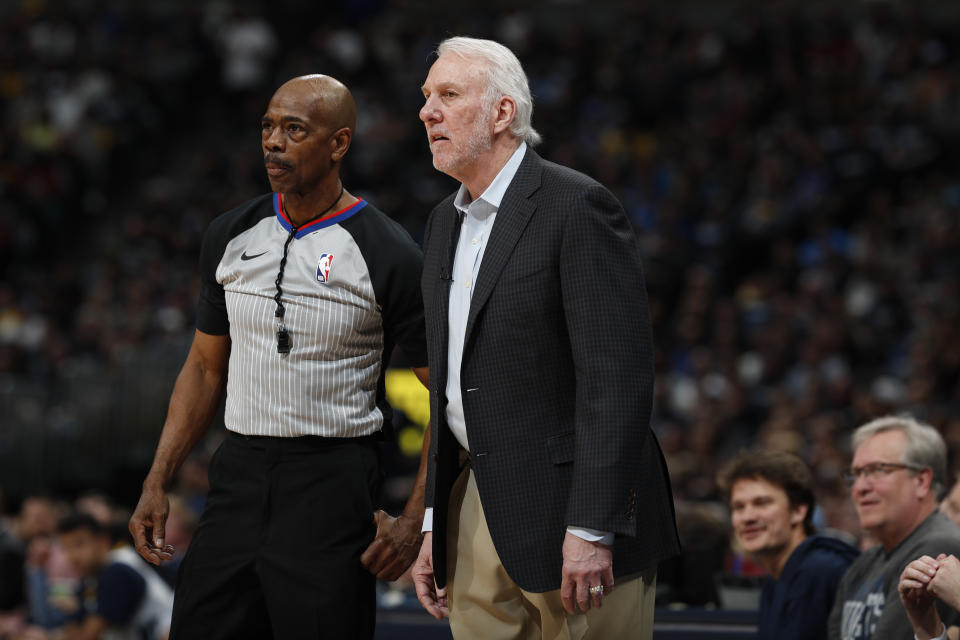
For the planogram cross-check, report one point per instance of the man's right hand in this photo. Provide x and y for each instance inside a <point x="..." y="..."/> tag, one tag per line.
<point x="147" y="526"/>
<point x="195" y="398"/>
<point x="434" y="600"/>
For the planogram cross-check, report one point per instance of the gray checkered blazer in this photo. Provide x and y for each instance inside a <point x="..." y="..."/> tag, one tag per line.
<point x="557" y="379"/>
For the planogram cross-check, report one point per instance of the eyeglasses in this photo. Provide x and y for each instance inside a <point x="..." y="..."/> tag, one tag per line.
<point x="876" y="470"/>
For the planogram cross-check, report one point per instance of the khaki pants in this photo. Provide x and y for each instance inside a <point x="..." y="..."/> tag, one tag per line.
<point x="486" y="604"/>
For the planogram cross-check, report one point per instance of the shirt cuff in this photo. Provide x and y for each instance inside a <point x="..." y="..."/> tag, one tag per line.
<point x="590" y="535"/>
<point x="942" y="636"/>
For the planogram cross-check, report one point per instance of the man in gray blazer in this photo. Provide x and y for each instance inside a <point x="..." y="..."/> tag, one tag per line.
<point x="549" y="492"/>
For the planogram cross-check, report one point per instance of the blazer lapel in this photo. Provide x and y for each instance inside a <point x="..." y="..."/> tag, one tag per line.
<point x="448" y="234"/>
<point x="512" y="217"/>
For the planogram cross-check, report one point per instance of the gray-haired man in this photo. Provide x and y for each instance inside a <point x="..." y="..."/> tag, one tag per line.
<point x="545" y="479"/>
<point x="897" y="476"/>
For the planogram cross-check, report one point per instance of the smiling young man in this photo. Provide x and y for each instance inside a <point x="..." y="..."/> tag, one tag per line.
<point x="897" y="477"/>
<point x="305" y="291"/>
<point x="771" y="507"/>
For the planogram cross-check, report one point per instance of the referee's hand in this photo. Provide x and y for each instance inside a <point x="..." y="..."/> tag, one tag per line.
<point x="394" y="548"/>
<point x="147" y="526"/>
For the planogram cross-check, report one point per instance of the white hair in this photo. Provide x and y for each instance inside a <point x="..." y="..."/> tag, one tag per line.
<point x="504" y="77"/>
<point x="925" y="446"/>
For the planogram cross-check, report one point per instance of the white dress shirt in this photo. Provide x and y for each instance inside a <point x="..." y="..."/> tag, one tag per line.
<point x="477" y="219"/>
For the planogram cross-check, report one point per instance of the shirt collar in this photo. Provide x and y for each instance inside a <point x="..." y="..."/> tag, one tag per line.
<point x="493" y="194"/>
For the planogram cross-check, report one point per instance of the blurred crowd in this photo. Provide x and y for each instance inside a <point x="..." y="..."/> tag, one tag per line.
<point x="43" y="582"/>
<point x="791" y="170"/>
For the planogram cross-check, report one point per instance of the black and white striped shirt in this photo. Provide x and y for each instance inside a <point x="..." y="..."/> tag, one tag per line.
<point x="351" y="292"/>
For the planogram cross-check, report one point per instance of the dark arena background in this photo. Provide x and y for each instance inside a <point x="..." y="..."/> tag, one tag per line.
<point x="791" y="169"/>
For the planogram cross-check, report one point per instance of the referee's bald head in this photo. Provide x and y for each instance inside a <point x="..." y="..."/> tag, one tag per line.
<point x="330" y="99"/>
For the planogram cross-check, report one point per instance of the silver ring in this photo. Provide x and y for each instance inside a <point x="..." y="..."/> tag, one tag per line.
<point x="597" y="590"/>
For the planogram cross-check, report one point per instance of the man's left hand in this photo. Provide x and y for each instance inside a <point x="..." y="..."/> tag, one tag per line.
<point x="585" y="564"/>
<point x="918" y="600"/>
<point x="394" y="548"/>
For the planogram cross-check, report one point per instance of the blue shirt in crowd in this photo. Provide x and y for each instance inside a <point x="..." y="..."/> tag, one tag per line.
<point x="797" y="605"/>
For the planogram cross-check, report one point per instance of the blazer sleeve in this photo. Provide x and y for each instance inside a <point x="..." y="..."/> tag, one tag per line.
<point x="608" y="322"/>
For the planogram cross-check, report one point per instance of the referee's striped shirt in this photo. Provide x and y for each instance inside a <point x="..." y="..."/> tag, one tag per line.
<point x="351" y="291"/>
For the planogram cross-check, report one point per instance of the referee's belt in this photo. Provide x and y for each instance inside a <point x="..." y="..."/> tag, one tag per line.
<point x="307" y="441"/>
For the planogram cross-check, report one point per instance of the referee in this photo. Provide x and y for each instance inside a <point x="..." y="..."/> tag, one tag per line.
<point x="305" y="292"/>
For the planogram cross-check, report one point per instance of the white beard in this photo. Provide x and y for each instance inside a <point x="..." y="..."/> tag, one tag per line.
<point x="466" y="153"/>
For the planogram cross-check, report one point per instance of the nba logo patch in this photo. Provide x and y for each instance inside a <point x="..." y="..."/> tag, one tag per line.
<point x="323" y="268"/>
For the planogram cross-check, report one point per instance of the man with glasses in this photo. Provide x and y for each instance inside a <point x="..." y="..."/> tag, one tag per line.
<point x="897" y="477"/>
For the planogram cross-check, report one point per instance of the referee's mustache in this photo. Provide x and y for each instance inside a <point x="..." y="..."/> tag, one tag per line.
<point x="273" y="158"/>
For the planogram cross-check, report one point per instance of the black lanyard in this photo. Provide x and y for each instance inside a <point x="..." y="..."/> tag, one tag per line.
<point x="283" y="336"/>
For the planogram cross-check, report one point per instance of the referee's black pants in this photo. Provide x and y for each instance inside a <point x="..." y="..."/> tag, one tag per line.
<point x="277" y="551"/>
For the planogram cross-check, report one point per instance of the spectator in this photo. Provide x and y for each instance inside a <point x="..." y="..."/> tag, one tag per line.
<point x="771" y="504"/>
<point x="897" y="476"/>
<point x="51" y="581"/>
<point x="121" y="597"/>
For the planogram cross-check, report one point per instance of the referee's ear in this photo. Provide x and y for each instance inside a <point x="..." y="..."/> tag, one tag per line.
<point x="339" y="143"/>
